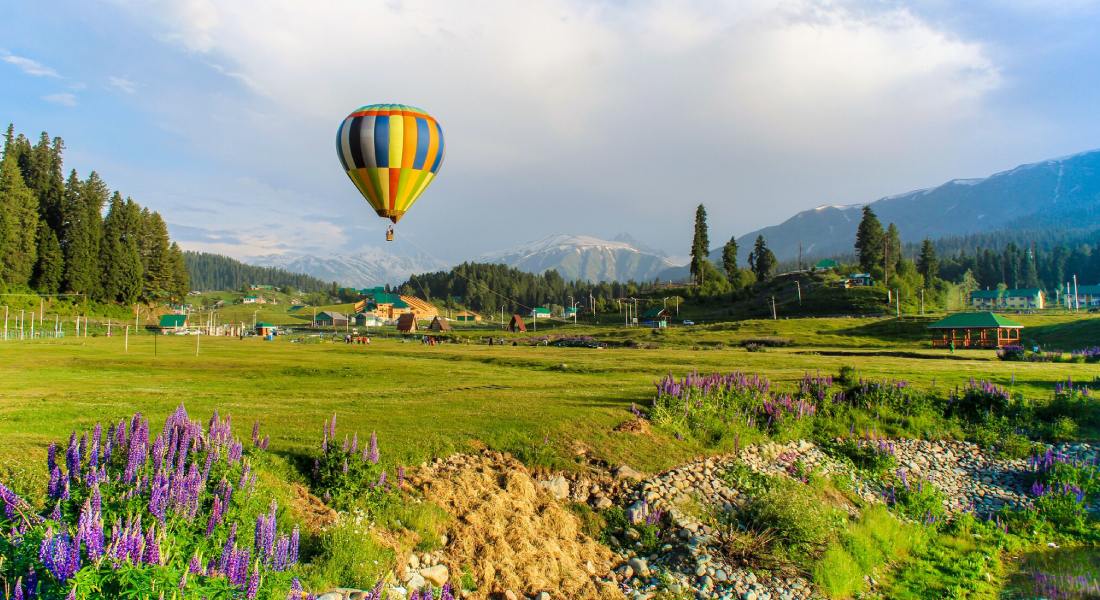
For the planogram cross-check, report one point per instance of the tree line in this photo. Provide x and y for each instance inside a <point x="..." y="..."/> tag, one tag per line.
<point x="210" y="272"/>
<point x="489" y="287"/>
<point x="709" y="280"/>
<point x="55" y="237"/>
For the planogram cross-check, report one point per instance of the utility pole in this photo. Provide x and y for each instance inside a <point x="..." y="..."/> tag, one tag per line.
<point x="677" y="306"/>
<point x="798" y="284"/>
<point x="1076" y="298"/>
<point x="41" y="311"/>
<point x="5" y="322"/>
<point x="635" y="309"/>
<point x="922" y="302"/>
<point x="198" y="336"/>
<point x="897" y="302"/>
<point x="774" y="315"/>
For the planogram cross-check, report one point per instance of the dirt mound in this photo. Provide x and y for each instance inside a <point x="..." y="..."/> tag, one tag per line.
<point x="636" y="425"/>
<point x="510" y="533"/>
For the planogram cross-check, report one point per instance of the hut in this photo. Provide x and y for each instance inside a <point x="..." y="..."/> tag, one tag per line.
<point x="367" y="319"/>
<point x="406" y="323"/>
<point x="517" y="324"/>
<point x="439" y="324"/>
<point x="826" y="264"/>
<point x="265" y="329"/>
<point x="656" y="317"/>
<point x="975" y="330"/>
<point x="331" y="318"/>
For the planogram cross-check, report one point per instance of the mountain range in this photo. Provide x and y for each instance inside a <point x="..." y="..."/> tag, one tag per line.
<point x="367" y="268"/>
<point x="1058" y="193"/>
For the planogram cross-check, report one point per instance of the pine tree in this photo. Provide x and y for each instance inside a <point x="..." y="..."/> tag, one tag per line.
<point x="729" y="260"/>
<point x="156" y="262"/>
<point x="50" y="270"/>
<point x="181" y="279"/>
<point x="927" y="263"/>
<point x="869" y="241"/>
<point x="894" y="257"/>
<point x="1031" y="272"/>
<point x="82" y="228"/>
<point x="762" y="260"/>
<point x="121" y="263"/>
<point x="700" y="245"/>
<point x="18" y="225"/>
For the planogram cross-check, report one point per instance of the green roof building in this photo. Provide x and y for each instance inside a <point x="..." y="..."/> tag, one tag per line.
<point x="825" y="264"/>
<point x="975" y="330"/>
<point x="1014" y="299"/>
<point x="173" y="321"/>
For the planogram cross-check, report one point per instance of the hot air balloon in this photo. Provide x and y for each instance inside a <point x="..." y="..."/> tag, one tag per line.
<point x="391" y="152"/>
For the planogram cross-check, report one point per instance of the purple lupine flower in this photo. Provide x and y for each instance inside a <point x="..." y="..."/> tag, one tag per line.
<point x="195" y="566"/>
<point x="292" y="550"/>
<point x="381" y="480"/>
<point x="400" y="476"/>
<point x="256" y="433"/>
<point x="295" y="590"/>
<point x="373" y="450"/>
<point x="253" y="583"/>
<point x="18" y="593"/>
<point x="355" y="443"/>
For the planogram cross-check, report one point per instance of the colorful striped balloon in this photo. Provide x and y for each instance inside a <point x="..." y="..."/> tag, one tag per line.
<point x="391" y="152"/>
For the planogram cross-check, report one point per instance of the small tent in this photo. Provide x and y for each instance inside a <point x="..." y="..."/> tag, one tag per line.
<point x="406" y="323"/>
<point x="439" y="324"/>
<point x="517" y="324"/>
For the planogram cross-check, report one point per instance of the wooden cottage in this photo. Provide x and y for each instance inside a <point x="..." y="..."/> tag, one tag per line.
<point x="406" y="323"/>
<point x="439" y="324"/>
<point x="975" y="330"/>
<point x="331" y="318"/>
<point x="467" y="316"/>
<point x="517" y="324"/>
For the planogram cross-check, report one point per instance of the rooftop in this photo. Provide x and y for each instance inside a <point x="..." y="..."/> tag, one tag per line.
<point x="974" y="320"/>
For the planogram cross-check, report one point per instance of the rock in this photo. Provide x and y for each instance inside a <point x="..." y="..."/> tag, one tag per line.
<point x="603" y="503"/>
<point x="641" y="569"/>
<point x="414" y="582"/>
<point x="635" y="513"/>
<point x="331" y="596"/>
<point x="625" y="472"/>
<point x="437" y="575"/>
<point x="510" y="595"/>
<point x="414" y="561"/>
<point x="558" y="487"/>
<point x="542" y="596"/>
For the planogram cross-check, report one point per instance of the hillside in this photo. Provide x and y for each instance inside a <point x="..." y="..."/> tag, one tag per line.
<point x="1047" y="194"/>
<point x="368" y="268"/>
<point x="216" y="272"/>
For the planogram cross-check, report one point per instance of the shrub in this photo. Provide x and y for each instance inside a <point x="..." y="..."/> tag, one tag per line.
<point x="345" y="474"/>
<point x="918" y="500"/>
<point x="847" y="376"/>
<point x="799" y="520"/>
<point x="979" y="400"/>
<point x="1011" y="353"/>
<point x="875" y="457"/>
<point x="767" y="342"/>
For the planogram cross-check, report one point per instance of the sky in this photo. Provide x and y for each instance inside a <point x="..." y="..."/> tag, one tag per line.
<point x="561" y="116"/>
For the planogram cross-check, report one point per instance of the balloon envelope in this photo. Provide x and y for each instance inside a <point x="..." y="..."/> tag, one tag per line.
<point x="391" y="152"/>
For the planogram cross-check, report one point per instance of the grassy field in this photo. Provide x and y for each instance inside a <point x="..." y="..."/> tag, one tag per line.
<point x="534" y="401"/>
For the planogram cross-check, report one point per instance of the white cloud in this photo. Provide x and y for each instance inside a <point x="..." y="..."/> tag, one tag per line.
<point x="122" y="84"/>
<point x="61" y="99"/>
<point x="607" y="107"/>
<point x="28" y="65"/>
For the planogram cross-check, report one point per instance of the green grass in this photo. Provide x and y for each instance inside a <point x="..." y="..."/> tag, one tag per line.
<point x="875" y="540"/>
<point x="427" y="401"/>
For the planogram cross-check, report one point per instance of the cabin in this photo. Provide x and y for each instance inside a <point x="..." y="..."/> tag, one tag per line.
<point x="1087" y="296"/>
<point x="656" y="317"/>
<point x="406" y="323"/>
<point x="1015" y="299"/>
<point x="253" y="300"/>
<point x="859" y="280"/>
<point x="386" y="306"/>
<point x="570" y="312"/>
<point x="975" y="330"/>
<point x="367" y="319"/>
<point x="439" y="324"/>
<point x="330" y="318"/>
<point x="172" y="323"/>
<point x="517" y="324"/>
<point x="825" y="264"/>
<point x="540" y="312"/>
<point x="266" y="329"/>
<point x="467" y="317"/>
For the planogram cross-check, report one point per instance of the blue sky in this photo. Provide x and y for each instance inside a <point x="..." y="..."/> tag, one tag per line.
<point x="562" y="116"/>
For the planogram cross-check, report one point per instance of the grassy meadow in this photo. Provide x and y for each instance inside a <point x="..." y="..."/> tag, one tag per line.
<point x="534" y="401"/>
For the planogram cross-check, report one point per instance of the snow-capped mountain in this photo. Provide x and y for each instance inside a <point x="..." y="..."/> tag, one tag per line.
<point x="586" y="258"/>
<point x="368" y="268"/>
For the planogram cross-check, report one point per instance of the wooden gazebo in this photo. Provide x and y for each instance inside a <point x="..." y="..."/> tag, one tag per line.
<point x="975" y="330"/>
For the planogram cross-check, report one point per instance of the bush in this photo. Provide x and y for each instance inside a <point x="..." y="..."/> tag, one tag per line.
<point x="874" y="457"/>
<point x="847" y="376"/>
<point x="767" y="342"/>
<point x="1011" y="353"/>
<point x="979" y="400"/>
<point x="801" y="523"/>
<point x="346" y="475"/>
<point x="918" y="500"/>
